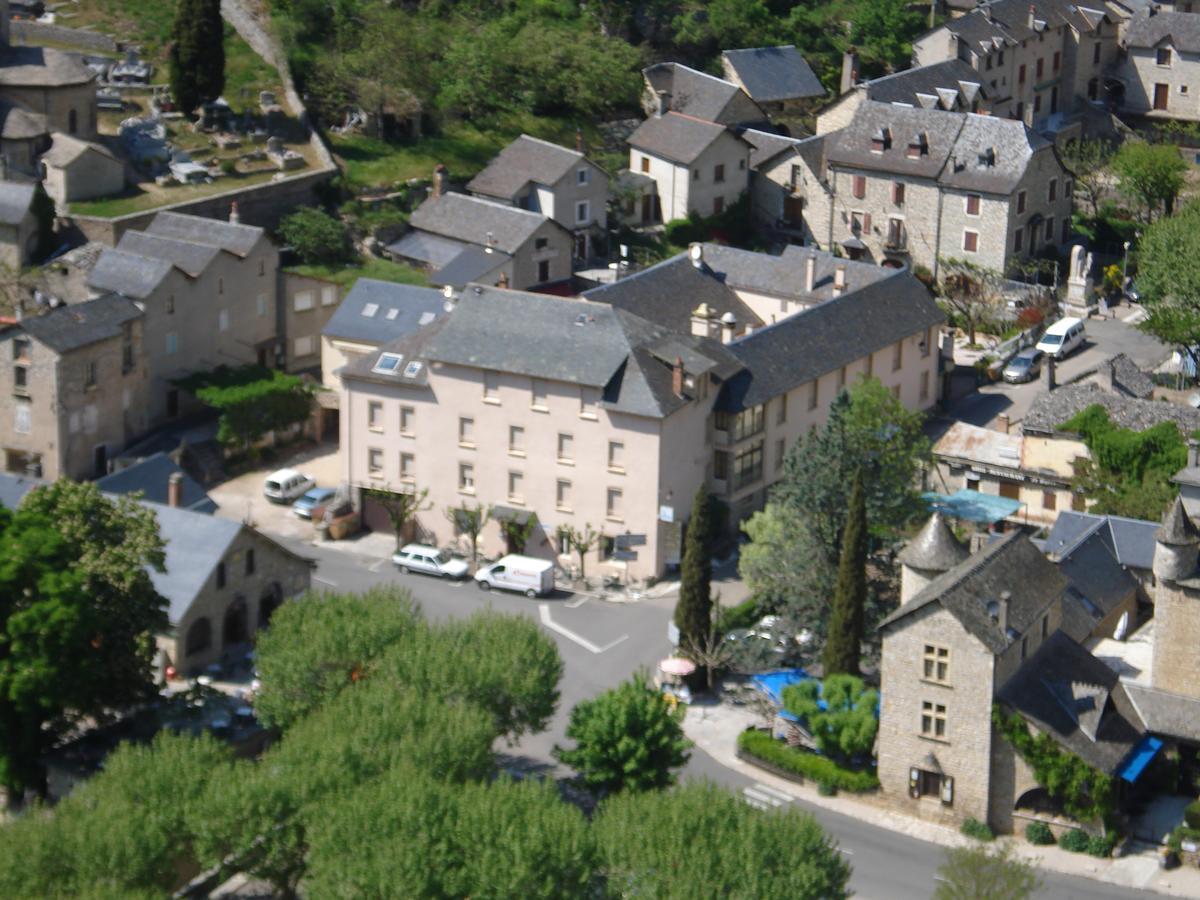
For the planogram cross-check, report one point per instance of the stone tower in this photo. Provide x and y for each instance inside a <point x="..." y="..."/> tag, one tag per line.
<point x="1176" y="664"/>
<point x="933" y="551"/>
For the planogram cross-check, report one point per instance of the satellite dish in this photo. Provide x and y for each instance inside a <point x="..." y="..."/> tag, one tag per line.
<point x="1194" y="401"/>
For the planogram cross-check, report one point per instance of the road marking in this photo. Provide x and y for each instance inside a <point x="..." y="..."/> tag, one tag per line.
<point x="773" y="792"/>
<point x="575" y="604"/>
<point x="375" y="566"/>
<point x="325" y="581"/>
<point x="845" y="852"/>
<point x="544" y="612"/>
<point x="759" y="799"/>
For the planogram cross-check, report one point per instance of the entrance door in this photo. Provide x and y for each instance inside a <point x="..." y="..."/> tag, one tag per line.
<point x="581" y="246"/>
<point x="793" y="211"/>
<point x="1161" y="92"/>
<point x="100" y="461"/>
<point x="647" y="209"/>
<point x="172" y="404"/>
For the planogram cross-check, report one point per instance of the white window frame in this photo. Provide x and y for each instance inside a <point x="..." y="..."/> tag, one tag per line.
<point x="329" y="295"/>
<point x="583" y="212"/>
<point x="583" y="176"/>
<point x="304" y="346"/>
<point x="303" y="301"/>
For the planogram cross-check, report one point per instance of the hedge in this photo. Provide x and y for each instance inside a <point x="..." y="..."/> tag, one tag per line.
<point x="973" y="828"/>
<point x="1076" y="840"/>
<point x="1191" y="815"/>
<point x="759" y="745"/>
<point x="1039" y="833"/>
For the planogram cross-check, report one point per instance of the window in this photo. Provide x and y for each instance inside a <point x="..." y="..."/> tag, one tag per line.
<point x="375" y="415"/>
<point x="924" y="395"/>
<point x="89" y="375"/>
<point x="587" y="402"/>
<point x="1057" y="60"/>
<point x="220" y="285"/>
<point x="1049" y="500"/>
<point x="613" y="504"/>
<point x="897" y="356"/>
<point x="1095" y="53"/>
<point x="260" y="306"/>
<point x="988" y="62"/>
<point x="970" y="241"/>
<point x="781" y="410"/>
<point x="262" y="267"/>
<point x="858" y="186"/>
<point x="1066" y="230"/>
<point x="408" y="417"/>
<point x="719" y="173"/>
<point x="72" y="122"/>
<point x="303" y="301"/>
<point x="537" y="395"/>
<point x="748" y="422"/>
<point x="171" y="305"/>
<point x="720" y="465"/>
<point x="516" y="484"/>
<point x="1021" y="74"/>
<point x="516" y="440"/>
<point x="898" y="193"/>
<point x="329" y="295"/>
<point x="814" y="393"/>
<point x="566" y="447"/>
<point x="582" y="212"/>
<point x="860" y="222"/>
<point x="21" y="377"/>
<point x="1037" y="103"/>
<point x="1049" y="229"/>
<point x="466" y="478"/>
<point x="972" y="204"/>
<point x="303" y="346"/>
<point x="172" y="343"/>
<point x="1052" y="190"/>
<point x="491" y="387"/>
<point x="1162" y="56"/>
<point x="936" y="663"/>
<point x="220" y="575"/>
<point x="841" y="377"/>
<point x="748" y="466"/>
<point x="1017" y="236"/>
<point x="695" y="174"/>
<point x="1045" y="625"/>
<point x="562" y="495"/>
<point x="408" y="467"/>
<point x="223" y="320"/>
<point x="375" y="462"/>
<point x="616" y="456"/>
<point x="543" y="271"/>
<point x="780" y="453"/>
<point x="22" y="419"/>
<point x="933" y="719"/>
<point x="250" y="561"/>
<point x="22" y="349"/>
<point x="582" y="176"/>
<point x="1024" y="647"/>
<point x="1040" y="67"/>
<point x="466" y="431"/>
<point x="645" y="164"/>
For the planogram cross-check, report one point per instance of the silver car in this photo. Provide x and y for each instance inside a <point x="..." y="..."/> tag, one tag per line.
<point x="1025" y="366"/>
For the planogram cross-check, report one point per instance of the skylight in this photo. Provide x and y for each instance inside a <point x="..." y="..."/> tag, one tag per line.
<point x="426" y="318"/>
<point x="392" y="313"/>
<point x="370" y="309"/>
<point x="412" y="370"/>
<point x="388" y="363"/>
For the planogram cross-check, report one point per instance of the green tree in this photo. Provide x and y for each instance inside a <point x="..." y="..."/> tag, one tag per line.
<point x="970" y="294"/>
<point x="252" y="400"/>
<point x="1150" y="174"/>
<point x="317" y="237"/>
<point x="1169" y="279"/>
<point x="700" y="840"/>
<point x="517" y="532"/>
<point x="470" y="519"/>
<point x="581" y="542"/>
<point x="840" y="712"/>
<point x="693" y="611"/>
<point x="197" y="56"/>
<point x="401" y="507"/>
<point x="722" y="24"/>
<point x="784" y="566"/>
<point x="883" y="30"/>
<point x="1088" y="160"/>
<point x="77" y="619"/>
<point x="44" y="213"/>
<point x="843" y="643"/>
<point x="627" y="739"/>
<point x="982" y="870"/>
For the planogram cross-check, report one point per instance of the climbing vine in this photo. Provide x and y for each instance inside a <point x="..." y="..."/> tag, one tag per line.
<point x="1085" y="793"/>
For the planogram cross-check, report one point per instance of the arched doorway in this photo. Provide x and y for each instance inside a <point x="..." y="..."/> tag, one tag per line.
<point x="199" y="637"/>
<point x="271" y="600"/>
<point x="236" y="628"/>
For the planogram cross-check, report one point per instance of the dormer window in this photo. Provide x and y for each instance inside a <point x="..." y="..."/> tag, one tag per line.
<point x="881" y="140"/>
<point x="918" y="146"/>
<point x="1162" y="56"/>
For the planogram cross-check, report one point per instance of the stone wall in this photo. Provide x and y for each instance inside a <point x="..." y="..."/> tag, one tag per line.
<point x="25" y="31"/>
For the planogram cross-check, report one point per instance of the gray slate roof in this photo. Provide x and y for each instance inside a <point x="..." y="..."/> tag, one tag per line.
<point x="15" y="199"/>
<point x="150" y="476"/>
<point x="676" y="137"/>
<point x="1079" y="701"/>
<point x="1007" y="22"/>
<point x="526" y="160"/>
<point x="770" y="74"/>
<point x="1011" y="564"/>
<point x="1177" y="529"/>
<point x="65" y="149"/>
<point x="128" y="273"/>
<point x="77" y="325"/>
<point x="400" y="309"/>
<point x="934" y="548"/>
<point x="1052" y="409"/>
<point x="238" y="239"/>
<point x="13" y="488"/>
<point x="195" y="543"/>
<point x="18" y="123"/>
<point x="189" y="257"/>
<point x="1179" y="29"/>
<point x="41" y="67"/>
<point x="765" y="146"/>
<point x="1098" y="584"/>
<point x="1127" y="378"/>
<point x="472" y="264"/>
<point x="1132" y="540"/>
<point x="471" y="219"/>
<point x="1166" y="714"/>
<point x="951" y="84"/>
<point x="704" y="96"/>
<point x="430" y="249"/>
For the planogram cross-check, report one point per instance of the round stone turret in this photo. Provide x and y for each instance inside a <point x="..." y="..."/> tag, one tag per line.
<point x="1176" y="545"/>
<point x="933" y="551"/>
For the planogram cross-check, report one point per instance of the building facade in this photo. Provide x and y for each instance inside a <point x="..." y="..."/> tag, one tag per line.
<point x="1160" y="73"/>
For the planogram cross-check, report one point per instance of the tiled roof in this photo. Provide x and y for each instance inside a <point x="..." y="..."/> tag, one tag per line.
<point x="1051" y="409"/>
<point x="526" y="160"/>
<point x="376" y="312"/>
<point x="695" y="93"/>
<point x="1098" y="585"/>
<point x="76" y="325"/>
<point x="18" y="123"/>
<point x="1166" y="714"/>
<point x="472" y="264"/>
<point x="150" y="476"/>
<point x="1127" y="378"/>
<point x="65" y="149"/>
<point x="127" y="273"/>
<point x="765" y="146"/>
<point x="676" y="137"/>
<point x="950" y="85"/>
<point x="15" y="200"/>
<point x="187" y="256"/>
<point x="22" y="67"/>
<point x="1006" y="22"/>
<point x="474" y="220"/>
<point x="1179" y="29"/>
<point x="238" y="239"/>
<point x="1132" y="540"/>
<point x="770" y="74"/>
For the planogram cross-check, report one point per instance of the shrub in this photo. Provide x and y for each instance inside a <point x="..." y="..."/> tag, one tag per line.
<point x="1101" y="845"/>
<point x="826" y="788"/>
<point x="973" y="828"/>
<point x="1076" y="840"/>
<point x="744" y="615"/>
<point x="316" y="236"/>
<point x="1191" y="815"/>
<point x="1180" y="834"/>
<point x="1039" y="833"/>
<point x="229" y="166"/>
<point x="761" y="745"/>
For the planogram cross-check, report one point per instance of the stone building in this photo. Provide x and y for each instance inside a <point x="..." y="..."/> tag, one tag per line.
<point x="674" y="87"/>
<point x="18" y="225"/>
<point x="306" y="304"/>
<point x="74" y="169"/>
<point x="1160" y="74"/>
<point x="778" y="79"/>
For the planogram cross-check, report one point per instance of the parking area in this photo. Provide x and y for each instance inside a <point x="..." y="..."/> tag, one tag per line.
<point x="242" y="499"/>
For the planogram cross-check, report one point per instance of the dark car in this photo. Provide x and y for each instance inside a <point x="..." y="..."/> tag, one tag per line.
<point x="1025" y="366"/>
<point x="312" y="499"/>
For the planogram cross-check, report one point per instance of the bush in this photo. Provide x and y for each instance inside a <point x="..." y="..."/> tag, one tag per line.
<point x="1039" y="833"/>
<point x="1076" y="840"/>
<point x="826" y="788"/>
<point x="973" y="828"/>
<point x="1180" y="834"/>
<point x="1191" y="815"/>
<point x="229" y="166"/>
<point x="317" y="237"/>
<point x="1101" y="845"/>
<point x="761" y="745"/>
<point x="744" y="615"/>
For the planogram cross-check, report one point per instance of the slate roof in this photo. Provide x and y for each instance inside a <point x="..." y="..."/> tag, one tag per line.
<point x="704" y="96"/>
<point x="951" y="84"/>
<point x="1127" y="378"/>
<point x="1098" y="585"/>
<point x="150" y="476"/>
<point x="18" y="123"/>
<point x="1177" y="529"/>
<point x="399" y="309"/>
<point x="934" y="548"/>
<point x="1007" y="22"/>
<point x="65" y="149"/>
<point x="1181" y="30"/>
<point x="76" y="325"/>
<point x="1079" y="701"/>
<point x="1051" y="409"/>
<point x="770" y="74"/>
<point x="991" y="154"/>
<point x="1010" y="564"/>
<point x="13" y="488"/>
<point x="127" y="273"/>
<point x="472" y="264"/>
<point x="194" y="544"/>
<point x="676" y="137"/>
<point x="1166" y="714"/>
<point x="15" y="199"/>
<point x="234" y="237"/>
<point x="1131" y="540"/>
<point x="525" y="160"/>
<point x="472" y="219"/>
<point x="187" y="256"/>
<point x="430" y="249"/>
<point x="765" y="146"/>
<point x="41" y="67"/>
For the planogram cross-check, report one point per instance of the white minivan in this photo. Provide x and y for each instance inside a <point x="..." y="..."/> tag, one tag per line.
<point x="1062" y="338"/>
<point x="286" y="485"/>
<point x="532" y="577"/>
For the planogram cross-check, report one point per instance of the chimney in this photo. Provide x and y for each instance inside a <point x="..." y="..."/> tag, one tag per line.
<point x="839" y="280"/>
<point x="175" y="490"/>
<point x="1002" y="419"/>
<point x="701" y="321"/>
<point x="1002" y="610"/>
<point x="234" y="218"/>
<point x="1107" y="376"/>
<point x="810" y="274"/>
<point x="503" y="282"/>
<point x="728" y="327"/>
<point x="663" y="103"/>
<point x="1032" y="17"/>
<point x="677" y="377"/>
<point x="578" y="140"/>
<point x="849" y="70"/>
<point x="439" y="180"/>
<point x="1193" y="453"/>
<point x="1049" y="382"/>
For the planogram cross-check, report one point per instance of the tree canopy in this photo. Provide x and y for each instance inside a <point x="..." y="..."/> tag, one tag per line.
<point x="982" y="871"/>
<point x="1169" y="279"/>
<point x="1152" y="175"/>
<point x="843" y="641"/>
<point x="252" y="400"/>
<point x="841" y="713"/>
<point x="317" y="237"/>
<point x="197" y="56"/>
<point x="693" y="610"/>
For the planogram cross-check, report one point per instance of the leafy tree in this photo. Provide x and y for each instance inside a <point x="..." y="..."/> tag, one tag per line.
<point x="1088" y="160"/>
<point x="44" y="213"/>
<point x="197" y="57"/>
<point x="319" y="645"/>
<point x="847" y="724"/>
<point x="400" y="507"/>
<point x="582" y="542"/>
<point x="317" y="237"/>
<point x="77" y="619"/>
<point x="701" y="841"/>
<point x="517" y="533"/>
<point x="971" y="294"/>
<point x="470" y="519"/>
<point x="627" y="739"/>
<point x="252" y="400"/>
<point x="726" y="23"/>
<point x="1150" y="174"/>
<point x="1169" y="279"/>
<point x="843" y="644"/>
<point x="693" y="611"/>
<point x="785" y="566"/>
<point x="883" y="30"/>
<point x="982" y="870"/>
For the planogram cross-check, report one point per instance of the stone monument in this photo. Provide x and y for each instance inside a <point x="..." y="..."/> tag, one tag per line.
<point x="1080" y="295"/>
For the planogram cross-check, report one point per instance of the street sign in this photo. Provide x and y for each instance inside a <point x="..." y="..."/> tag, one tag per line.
<point x="625" y="541"/>
<point x="624" y="555"/>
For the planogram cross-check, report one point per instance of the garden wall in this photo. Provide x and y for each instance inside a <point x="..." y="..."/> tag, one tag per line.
<point x="26" y="31"/>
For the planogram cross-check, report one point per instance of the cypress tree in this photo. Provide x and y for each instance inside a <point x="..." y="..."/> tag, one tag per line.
<point x="843" y="644"/>
<point x="693" y="612"/>
<point x="197" y="58"/>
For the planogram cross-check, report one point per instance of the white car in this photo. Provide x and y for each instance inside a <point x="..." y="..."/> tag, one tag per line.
<point x="287" y="485"/>
<point x="429" y="560"/>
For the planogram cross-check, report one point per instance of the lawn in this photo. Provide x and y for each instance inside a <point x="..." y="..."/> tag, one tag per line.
<point x="379" y="269"/>
<point x="136" y="199"/>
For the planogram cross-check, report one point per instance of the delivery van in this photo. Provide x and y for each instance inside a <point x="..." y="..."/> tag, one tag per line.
<point x="1061" y="338"/>
<point x="532" y="577"/>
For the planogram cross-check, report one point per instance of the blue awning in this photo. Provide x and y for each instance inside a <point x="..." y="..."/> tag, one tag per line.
<point x="1139" y="757"/>
<point x="973" y="506"/>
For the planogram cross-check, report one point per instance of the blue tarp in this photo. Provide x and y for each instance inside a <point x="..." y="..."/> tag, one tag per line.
<point x="1139" y="757"/>
<point x="973" y="506"/>
<point x="773" y="683"/>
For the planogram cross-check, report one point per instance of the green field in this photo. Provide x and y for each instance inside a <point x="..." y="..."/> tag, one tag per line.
<point x="379" y="269"/>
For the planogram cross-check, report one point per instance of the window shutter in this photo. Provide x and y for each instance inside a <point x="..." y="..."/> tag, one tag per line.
<point x="914" y="783"/>
<point x="867" y="222"/>
<point x="947" y="790"/>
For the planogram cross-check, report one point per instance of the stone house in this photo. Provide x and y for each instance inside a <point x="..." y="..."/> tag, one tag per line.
<point x="460" y="239"/>
<point x="18" y="224"/>
<point x="916" y="186"/>
<point x="778" y="79"/>
<point x="674" y="87"/>
<point x="306" y="304"/>
<point x="24" y="136"/>
<point x="1161" y="69"/>
<point x="562" y="184"/>
<point x="208" y="289"/>
<point x="74" y="169"/>
<point x="75" y="386"/>
<point x="779" y="168"/>
<point x="698" y="166"/>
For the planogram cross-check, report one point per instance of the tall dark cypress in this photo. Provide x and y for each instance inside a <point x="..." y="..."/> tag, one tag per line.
<point x="693" y="612"/>
<point x="843" y="644"/>
<point x="197" y="58"/>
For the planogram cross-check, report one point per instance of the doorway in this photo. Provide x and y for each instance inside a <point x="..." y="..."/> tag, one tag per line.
<point x="1161" y="93"/>
<point x="235" y="629"/>
<point x="172" y="403"/>
<point x="100" y="461"/>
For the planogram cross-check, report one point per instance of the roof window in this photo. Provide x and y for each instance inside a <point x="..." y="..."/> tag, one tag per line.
<point x="412" y="370"/>
<point x="392" y="313"/>
<point x="388" y="363"/>
<point x="370" y="309"/>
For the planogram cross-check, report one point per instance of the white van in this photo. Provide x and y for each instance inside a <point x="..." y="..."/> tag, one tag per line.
<point x="1062" y="338"/>
<point x="286" y="485"/>
<point x="532" y="577"/>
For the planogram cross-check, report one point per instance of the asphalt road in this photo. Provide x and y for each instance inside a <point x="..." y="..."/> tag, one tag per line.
<point x="601" y="645"/>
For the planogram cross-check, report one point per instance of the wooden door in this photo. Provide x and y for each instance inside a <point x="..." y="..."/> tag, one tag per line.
<point x="1160" y="96"/>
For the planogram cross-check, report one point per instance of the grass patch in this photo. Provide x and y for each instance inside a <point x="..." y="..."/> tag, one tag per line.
<point x="810" y="766"/>
<point x="247" y="73"/>
<point x="379" y="269"/>
<point x="111" y="207"/>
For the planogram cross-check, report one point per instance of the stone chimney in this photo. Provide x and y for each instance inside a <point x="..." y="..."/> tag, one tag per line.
<point x="663" y="103"/>
<point x="503" y="281"/>
<point x="1049" y="381"/>
<point x="810" y="274"/>
<point x="1002" y="611"/>
<point x="728" y="327"/>
<point x="1193" y="453"/>
<point x="1032" y="17"/>
<point x="234" y="217"/>
<point x="1107" y="373"/>
<point x="175" y="490"/>
<point x="839" y="280"/>
<point x="677" y="377"/>
<point x="702" y="318"/>
<point x="439" y="180"/>
<point x="849" y="71"/>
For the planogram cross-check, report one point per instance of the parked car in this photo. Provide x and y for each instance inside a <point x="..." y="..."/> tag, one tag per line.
<point x="1062" y="338"/>
<point x="312" y="500"/>
<point x="286" y="485"/>
<point x="429" y="560"/>
<point x="532" y="577"/>
<point x="1025" y="366"/>
<point x="1132" y="294"/>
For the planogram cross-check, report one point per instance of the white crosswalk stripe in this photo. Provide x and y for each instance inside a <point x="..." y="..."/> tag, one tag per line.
<point x="762" y="796"/>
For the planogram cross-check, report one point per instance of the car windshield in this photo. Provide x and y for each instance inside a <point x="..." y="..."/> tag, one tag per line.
<point x="272" y="485"/>
<point x="1052" y="339"/>
<point x="439" y="558"/>
<point x="1020" y="362"/>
